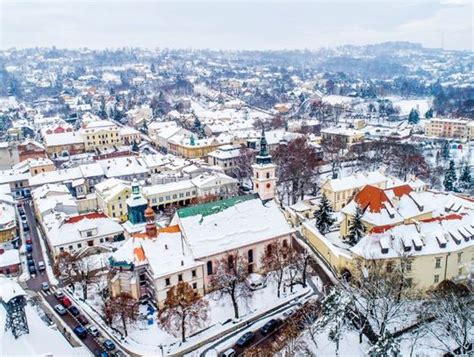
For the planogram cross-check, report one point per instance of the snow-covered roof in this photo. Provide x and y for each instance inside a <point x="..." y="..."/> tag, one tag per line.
<point x="123" y="166"/>
<point x="207" y="230"/>
<point x="9" y="257"/>
<point x="168" y="187"/>
<point x="357" y="180"/>
<point x="9" y="289"/>
<point x="66" y="138"/>
<point x="69" y="230"/>
<point x="433" y="236"/>
<point x="166" y="254"/>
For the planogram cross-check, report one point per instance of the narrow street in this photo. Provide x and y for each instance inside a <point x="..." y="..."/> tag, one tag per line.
<point x="34" y="284"/>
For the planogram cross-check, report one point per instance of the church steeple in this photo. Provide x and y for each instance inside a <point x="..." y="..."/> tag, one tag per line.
<point x="263" y="156"/>
<point x="264" y="172"/>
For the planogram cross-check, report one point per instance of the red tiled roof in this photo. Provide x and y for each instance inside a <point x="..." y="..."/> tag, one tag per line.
<point x="80" y="217"/>
<point x="402" y="190"/>
<point x="372" y="198"/>
<point x="382" y="229"/>
<point x="442" y="218"/>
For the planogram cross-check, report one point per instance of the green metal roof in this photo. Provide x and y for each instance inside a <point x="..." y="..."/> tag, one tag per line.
<point x="206" y="209"/>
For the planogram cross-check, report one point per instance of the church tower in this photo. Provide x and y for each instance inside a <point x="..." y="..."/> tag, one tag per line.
<point x="264" y="172"/>
<point x="136" y="205"/>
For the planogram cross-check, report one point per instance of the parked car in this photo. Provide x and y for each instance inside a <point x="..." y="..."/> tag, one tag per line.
<point x="256" y="281"/>
<point x="82" y="319"/>
<point x="32" y="269"/>
<point x="60" y="309"/>
<point x="30" y="261"/>
<point x="66" y="302"/>
<point x="270" y="326"/>
<point x="26" y="227"/>
<point x="23" y="218"/>
<point x="28" y="239"/>
<point x="29" y="248"/>
<point x="288" y="313"/>
<point x="245" y="339"/>
<point x="59" y="294"/>
<point x="44" y="286"/>
<point x="73" y="310"/>
<point x="94" y="331"/>
<point x="100" y="353"/>
<point x="118" y="353"/>
<point x="109" y="345"/>
<point x="41" y="266"/>
<point x="80" y="331"/>
<point x="228" y="353"/>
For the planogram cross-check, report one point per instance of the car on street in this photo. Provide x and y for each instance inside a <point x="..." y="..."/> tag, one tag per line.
<point x="118" y="353"/>
<point x="26" y="228"/>
<point x="29" y="248"/>
<point x="74" y="310"/>
<point x="44" y="286"/>
<point x="28" y="239"/>
<point x="60" y="309"/>
<point x="228" y="353"/>
<point x="41" y="266"/>
<point x="66" y="302"/>
<point x="59" y="294"/>
<point x="288" y="313"/>
<point x="23" y="218"/>
<point x="109" y="345"/>
<point x="245" y="339"/>
<point x="94" y="331"/>
<point x="270" y="326"/>
<point x="32" y="269"/>
<point x="100" y="353"/>
<point x="82" y="319"/>
<point x="30" y="261"/>
<point x="80" y="331"/>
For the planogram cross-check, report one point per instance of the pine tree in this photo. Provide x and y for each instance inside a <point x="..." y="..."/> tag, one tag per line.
<point x="386" y="345"/>
<point x="445" y="150"/>
<point x="465" y="180"/>
<point x="323" y="215"/>
<point x="357" y="228"/>
<point x="450" y="177"/>
<point x="429" y="114"/>
<point x="413" y="117"/>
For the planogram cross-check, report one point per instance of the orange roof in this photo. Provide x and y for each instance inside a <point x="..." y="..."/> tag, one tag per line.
<point x="371" y="197"/>
<point x="139" y="254"/>
<point x="169" y="229"/>
<point x="402" y="190"/>
<point x="382" y="229"/>
<point x="80" y="217"/>
<point x="449" y="217"/>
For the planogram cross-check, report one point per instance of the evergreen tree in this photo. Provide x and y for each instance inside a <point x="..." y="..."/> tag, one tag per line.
<point x="465" y="178"/>
<point x="323" y="215"/>
<point x="445" y="150"/>
<point x="429" y="114"/>
<point x="357" y="228"/>
<point x="413" y="117"/>
<point x="135" y="147"/>
<point x="386" y="345"/>
<point x="450" y="177"/>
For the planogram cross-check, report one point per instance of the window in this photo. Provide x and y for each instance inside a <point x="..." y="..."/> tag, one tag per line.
<point x="187" y="194"/>
<point x="89" y="234"/>
<point x="250" y="256"/>
<point x="61" y="249"/>
<point x="193" y="273"/>
<point x="79" y="245"/>
<point x="175" y="196"/>
<point x="408" y="265"/>
<point x="167" y="198"/>
<point x="257" y="174"/>
<point x="195" y="286"/>
<point x="167" y="282"/>
<point x="268" y="175"/>
<point x="181" y="195"/>
<point x="180" y="277"/>
<point x="70" y="247"/>
<point x="209" y="267"/>
<point x="436" y="279"/>
<point x="113" y="207"/>
<point x="161" y="199"/>
<point x="102" y="240"/>
<point x="438" y="263"/>
<point x="459" y="257"/>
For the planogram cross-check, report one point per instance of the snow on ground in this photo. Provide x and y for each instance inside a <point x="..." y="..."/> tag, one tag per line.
<point x="49" y="270"/>
<point x="406" y="105"/>
<point x="41" y="341"/>
<point x="146" y="339"/>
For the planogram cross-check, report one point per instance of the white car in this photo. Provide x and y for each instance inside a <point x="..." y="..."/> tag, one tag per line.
<point x="93" y="331"/>
<point x="60" y="309"/>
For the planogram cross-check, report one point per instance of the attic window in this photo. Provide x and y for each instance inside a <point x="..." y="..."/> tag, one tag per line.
<point x="166" y="246"/>
<point x="441" y="241"/>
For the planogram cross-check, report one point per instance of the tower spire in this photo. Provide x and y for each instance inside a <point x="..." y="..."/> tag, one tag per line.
<point x="263" y="156"/>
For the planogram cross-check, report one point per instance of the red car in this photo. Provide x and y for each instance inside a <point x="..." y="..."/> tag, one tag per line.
<point x="66" y="302"/>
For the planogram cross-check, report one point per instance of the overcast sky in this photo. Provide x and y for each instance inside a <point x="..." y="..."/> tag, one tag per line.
<point x="234" y="24"/>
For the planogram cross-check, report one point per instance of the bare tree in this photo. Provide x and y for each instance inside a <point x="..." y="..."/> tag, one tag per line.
<point x="122" y="308"/>
<point x="450" y="305"/>
<point x="228" y="279"/>
<point x="277" y="259"/>
<point x="333" y="148"/>
<point x="85" y="273"/>
<point x="297" y="167"/>
<point x="243" y="164"/>
<point x="182" y="308"/>
<point x="64" y="266"/>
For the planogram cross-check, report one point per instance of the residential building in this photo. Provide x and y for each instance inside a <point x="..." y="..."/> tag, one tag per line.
<point x="224" y="157"/>
<point x="100" y="135"/>
<point x="462" y="129"/>
<point x="192" y="148"/>
<point x="112" y="195"/>
<point x="30" y="149"/>
<point x="64" y="144"/>
<point x="340" y="191"/>
<point x="342" y="134"/>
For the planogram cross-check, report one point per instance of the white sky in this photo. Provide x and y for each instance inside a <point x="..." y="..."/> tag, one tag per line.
<point x="227" y="24"/>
